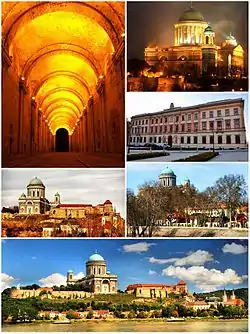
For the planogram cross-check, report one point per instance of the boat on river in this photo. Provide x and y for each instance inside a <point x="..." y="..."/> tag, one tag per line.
<point x="62" y="322"/>
<point x="173" y="319"/>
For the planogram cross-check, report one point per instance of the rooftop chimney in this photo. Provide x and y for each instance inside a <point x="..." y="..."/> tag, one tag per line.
<point x="171" y="105"/>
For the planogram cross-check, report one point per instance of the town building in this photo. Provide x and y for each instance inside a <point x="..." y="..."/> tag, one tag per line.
<point x="97" y="280"/>
<point x="211" y="125"/>
<point x="233" y="300"/>
<point x="195" y="50"/>
<point x="157" y="290"/>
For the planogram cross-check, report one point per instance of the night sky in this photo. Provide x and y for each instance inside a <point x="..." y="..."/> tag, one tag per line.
<point x="151" y="23"/>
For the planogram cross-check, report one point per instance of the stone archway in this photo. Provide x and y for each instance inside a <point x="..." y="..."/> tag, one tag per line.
<point x="62" y="140"/>
<point x="105" y="287"/>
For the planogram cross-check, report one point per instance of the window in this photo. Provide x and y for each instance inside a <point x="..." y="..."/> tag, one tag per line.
<point x="152" y="130"/>
<point x="227" y="112"/>
<point x="166" y="128"/>
<point x="196" y="116"/>
<point x="166" y="119"/>
<point x="156" y="121"/>
<point x="188" y="140"/>
<point x="218" y="113"/>
<point x="219" y="125"/>
<point x="219" y="139"/>
<point x="189" y="117"/>
<point x="154" y="139"/>
<point x="171" y="128"/>
<point x="159" y="140"/>
<point x="183" y="117"/>
<point x="171" y="119"/>
<point x="211" y="139"/>
<point x="195" y="140"/>
<point x="161" y="120"/>
<point x="142" y="129"/>
<point x="140" y="139"/>
<point x="146" y="129"/>
<point x="145" y="139"/>
<point x="236" y="111"/>
<point x="228" y="139"/>
<point x="131" y="139"/>
<point x="152" y="121"/>
<point x="204" y="140"/>
<point x="182" y="140"/>
<point x="160" y="129"/>
<point x="150" y="139"/>
<point x="237" y="139"/>
<point x="228" y="124"/>
<point x="236" y="123"/>
<point x="137" y="139"/>
<point x="195" y="127"/>
<point x="211" y="114"/>
<point x="204" y="125"/>
<point x="177" y="118"/>
<point x="183" y="128"/>
<point x="146" y="121"/>
<point x="134" y="140"/>
<point x="189" y="127"/>
<point x="176" y="128"/>
<point x="211" y="125"/>
<point x="156" y="129"/>
<point x="203" y="114"/>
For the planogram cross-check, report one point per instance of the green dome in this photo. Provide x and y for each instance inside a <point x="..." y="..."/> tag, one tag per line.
<point x="191" y="15"/>
<point x="96" y="257"/>
<point x="70" y="271"/>
<point x="167" y="170"/>
<point x="209" y="29"/>
<point x="36" y="182"/>
<point x="186" y="179"/>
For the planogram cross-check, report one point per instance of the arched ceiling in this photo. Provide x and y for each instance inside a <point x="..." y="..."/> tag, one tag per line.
<point x="59" y="50"/>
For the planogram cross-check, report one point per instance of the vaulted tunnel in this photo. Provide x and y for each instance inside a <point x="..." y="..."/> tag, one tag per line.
<point x="63" y="68"/>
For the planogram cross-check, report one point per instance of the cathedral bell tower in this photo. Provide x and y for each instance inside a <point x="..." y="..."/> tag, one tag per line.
<point x="57" y="198"/>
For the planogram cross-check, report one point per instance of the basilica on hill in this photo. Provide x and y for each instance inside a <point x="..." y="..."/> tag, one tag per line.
<point x="195" y="49"/>
<point x="35" y="202"/>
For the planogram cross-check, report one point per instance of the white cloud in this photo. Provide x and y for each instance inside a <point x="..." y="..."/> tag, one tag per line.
<point x="152" y="272"/>
<point x="53" y="279"/>
<point x="205" y="279"/>
<point x="138" y="247"/>
<point x="6" y="281"/>
<point x="79" y="275"/>
<point x="197" y="258"/>
<point x="57" y="279"/>
<point x="234" y="248"/>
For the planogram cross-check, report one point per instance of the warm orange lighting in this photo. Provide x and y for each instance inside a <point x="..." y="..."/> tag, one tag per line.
<point x="33" y="98"/>
<point x="22" y="78"/>
<point x="123" y="34"/>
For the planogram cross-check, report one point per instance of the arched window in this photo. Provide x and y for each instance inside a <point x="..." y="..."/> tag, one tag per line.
<point x="207" y="40"/>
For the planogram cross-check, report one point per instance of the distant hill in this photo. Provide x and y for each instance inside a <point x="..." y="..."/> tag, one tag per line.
<point x="241" y="293"/>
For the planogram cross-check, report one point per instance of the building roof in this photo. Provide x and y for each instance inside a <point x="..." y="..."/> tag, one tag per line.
<point x="95" y="257"/>
<point x="178" y="109"/>
<point x="209" y="28"/>
<point x="182" y="283"/>
<point x="107" y="202"/>
<point x="146" y="285"/>
<point x="167" y="170"/>
<point x="36" y="182"/>
<point x="191" y="15"/>
<point x="73" y="205"/>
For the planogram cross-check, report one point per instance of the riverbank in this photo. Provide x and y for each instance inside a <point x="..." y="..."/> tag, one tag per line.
<point x="134" y="325"/>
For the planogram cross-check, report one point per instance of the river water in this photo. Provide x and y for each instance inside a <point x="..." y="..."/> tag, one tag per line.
<point x="133" y="326"/>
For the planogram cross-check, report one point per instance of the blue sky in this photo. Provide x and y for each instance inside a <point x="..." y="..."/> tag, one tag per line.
<point x="200" y="175"/>
<point x="203" y="264"/>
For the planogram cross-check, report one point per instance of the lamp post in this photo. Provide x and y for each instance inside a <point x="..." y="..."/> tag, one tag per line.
<point x="212" y="128"/>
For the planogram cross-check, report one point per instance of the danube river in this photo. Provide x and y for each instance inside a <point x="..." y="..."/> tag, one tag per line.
<point x="133" y="326"/>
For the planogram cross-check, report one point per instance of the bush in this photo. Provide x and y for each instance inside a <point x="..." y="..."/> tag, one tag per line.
<point x="200" y="157"/>
<point x="139" y="156"/>
<point x="131" y="315"/>
<point x="141" y="315"/>
<point x="90" y="315"/>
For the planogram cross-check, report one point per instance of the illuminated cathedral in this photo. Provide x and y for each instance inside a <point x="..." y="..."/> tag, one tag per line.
<point x="195" y="50"/>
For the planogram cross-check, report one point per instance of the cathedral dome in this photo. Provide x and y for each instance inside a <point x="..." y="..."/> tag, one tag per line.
<point x="36" y="182"/>
<point x="167" y="170"/>
<point x="95" y="257"/>
<point x="191" y="15"/>
<point x="208" y="29"/>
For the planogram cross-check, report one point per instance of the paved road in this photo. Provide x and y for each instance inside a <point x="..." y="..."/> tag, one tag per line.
<point x="224" y="156"/>
<point x="231" y="156"/>
<point x="171" y="157"/>
<point x="67" y="159"/>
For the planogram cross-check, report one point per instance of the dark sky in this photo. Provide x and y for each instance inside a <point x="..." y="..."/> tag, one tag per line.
<point x="151" y="23"/>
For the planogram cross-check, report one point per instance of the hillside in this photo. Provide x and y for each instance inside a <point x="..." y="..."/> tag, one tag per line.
<point x="240" y="293"/>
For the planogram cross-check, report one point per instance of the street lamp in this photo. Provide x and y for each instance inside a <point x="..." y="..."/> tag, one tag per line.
<point x="212" y="128"/>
